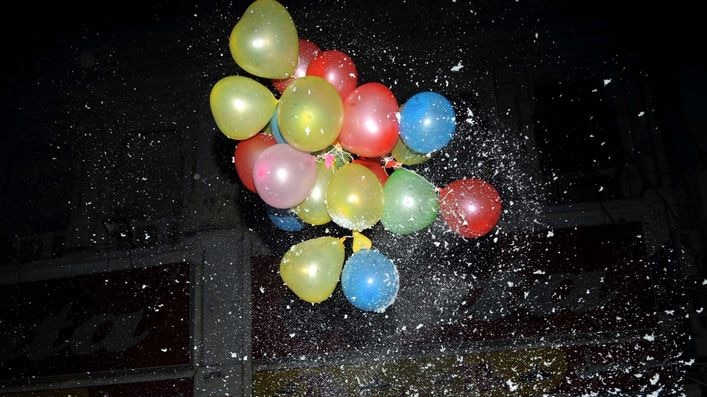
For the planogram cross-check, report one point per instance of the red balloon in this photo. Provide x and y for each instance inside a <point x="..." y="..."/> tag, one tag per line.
<point x="370" y="124"/>
<point x="470" y="207"/>
<point x="375" y="166"/>
<point x="337" y="68"/>
<point x="307" y="52"/>
<point x="247" y="153"/>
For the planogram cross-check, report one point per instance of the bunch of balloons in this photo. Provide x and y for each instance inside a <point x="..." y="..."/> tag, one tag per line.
<point x="320" y="153"/>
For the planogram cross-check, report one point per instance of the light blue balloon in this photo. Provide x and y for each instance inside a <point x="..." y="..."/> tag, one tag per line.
<point x="275" y="128"/>
<point x="427" y="122"/>
<point x="285" y="219"/>
<point x="370" y="281"/>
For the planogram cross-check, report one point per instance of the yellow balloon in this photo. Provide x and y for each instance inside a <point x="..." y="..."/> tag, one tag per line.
<point x="355" y="197"/>
<point x="405" y="155"/>
<point x="313" y="208"/>
<point x="264" y="41"/>
<point x="311" y="269"/>
<point x="241" y="106"/>
<point x="311" y="114"/>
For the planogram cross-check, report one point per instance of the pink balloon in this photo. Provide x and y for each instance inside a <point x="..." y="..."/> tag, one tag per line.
<point x="283" y="176"/>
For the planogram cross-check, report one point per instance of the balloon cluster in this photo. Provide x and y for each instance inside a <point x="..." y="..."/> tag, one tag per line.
<point x="321" y="153"/>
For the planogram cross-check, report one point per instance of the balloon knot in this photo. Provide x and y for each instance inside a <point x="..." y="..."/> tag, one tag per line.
<point x="390" y="162"/>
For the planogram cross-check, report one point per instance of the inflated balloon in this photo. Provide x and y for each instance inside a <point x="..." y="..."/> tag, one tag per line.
<point x="410" y="203"/>
<point x="337" y="68"/>
<point x="307" y="52"/>
<point x="285" y="220"/>
<point x="375" y="166"/>
<point x="241" y="106"/>
<point x="370" y="124"/>
<point x="313" y="208"/>
<point x="405" y="156"/>
<point x="354" y="197"/>
<point x="370" y="281"/>
<point x="247" y="153"/>
<point x="427" y="122"/>
<point x="310" y="114"/>
<point x="311" y="269"/>
<point x="283" y="176"/>
<point x="275" y="129"/>
<point x="470" y="207"/>
<point x="264" y="41"/>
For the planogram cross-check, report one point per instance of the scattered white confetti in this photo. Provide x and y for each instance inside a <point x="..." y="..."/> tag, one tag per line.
<point x="654" y="379"/>
<point x="607" y="82"/>
<point x="649" y="338"/>
<point x="458" y="67"/>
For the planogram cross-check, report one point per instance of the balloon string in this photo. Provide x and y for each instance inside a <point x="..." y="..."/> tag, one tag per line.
<point x="334" y="155"/>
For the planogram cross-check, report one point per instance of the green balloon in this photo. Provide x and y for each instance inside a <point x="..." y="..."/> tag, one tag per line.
<point x="410" y="202"/>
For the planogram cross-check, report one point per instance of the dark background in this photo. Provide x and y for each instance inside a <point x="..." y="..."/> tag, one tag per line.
<point x="108" y="144"/>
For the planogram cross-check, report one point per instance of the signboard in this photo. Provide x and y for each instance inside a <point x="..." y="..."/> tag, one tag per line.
<point x="575" y="370"/>
<point x="163" y="388"/>
<point x="119" y="320"/>
<point x="578" y="290"/>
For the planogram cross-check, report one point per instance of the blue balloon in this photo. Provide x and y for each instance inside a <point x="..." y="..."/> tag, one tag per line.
<point x="427" y="122"/>
<point x="275" y="128"/>
<point x="370" y="280"/>
<point x="285" y="220"/>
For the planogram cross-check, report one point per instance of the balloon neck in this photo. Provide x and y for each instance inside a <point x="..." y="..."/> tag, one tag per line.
<point x="360" y="242"/>
<point x="335" y="157"/>
<point x="389" y="162"/>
